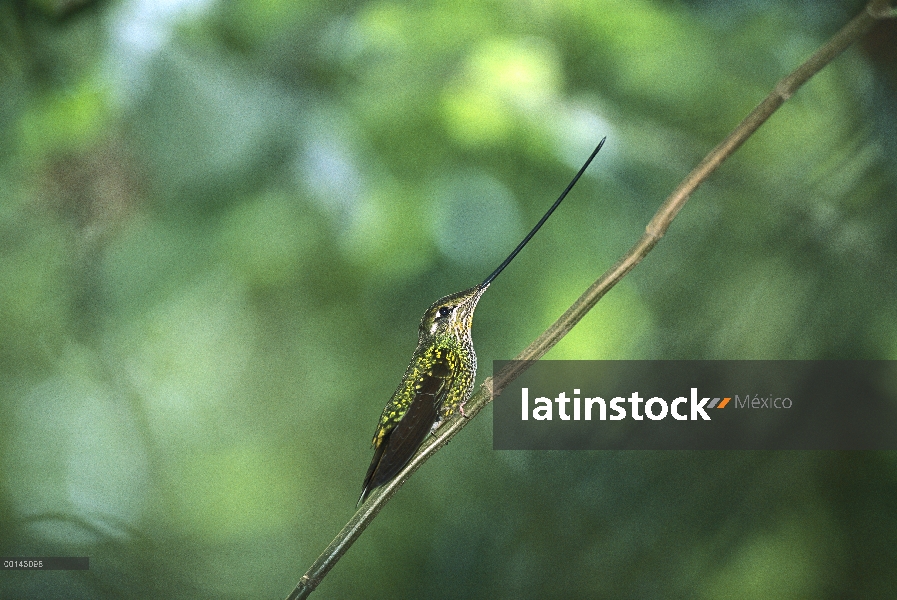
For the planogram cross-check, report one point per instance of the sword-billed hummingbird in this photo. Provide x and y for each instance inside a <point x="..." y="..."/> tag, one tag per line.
<point x="441" y="375"/>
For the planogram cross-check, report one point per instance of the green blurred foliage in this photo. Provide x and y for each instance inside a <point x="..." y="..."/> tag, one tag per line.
<point x="221" y="222"/>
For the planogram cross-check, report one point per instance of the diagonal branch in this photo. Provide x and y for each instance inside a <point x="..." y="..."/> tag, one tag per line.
<point x="657" y="227"/>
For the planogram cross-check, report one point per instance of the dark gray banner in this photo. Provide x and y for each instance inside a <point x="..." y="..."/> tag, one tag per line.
<point x="699" y="405"/>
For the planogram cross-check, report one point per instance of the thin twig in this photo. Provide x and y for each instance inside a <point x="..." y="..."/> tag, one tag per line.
<point x="657" y="227"/>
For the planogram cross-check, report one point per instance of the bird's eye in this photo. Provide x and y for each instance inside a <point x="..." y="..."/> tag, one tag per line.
<point x="444" y="311"/>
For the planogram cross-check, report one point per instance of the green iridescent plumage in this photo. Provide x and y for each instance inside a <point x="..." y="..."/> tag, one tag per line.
<point x="440" y="377"/>
<point x="437" y="383"/>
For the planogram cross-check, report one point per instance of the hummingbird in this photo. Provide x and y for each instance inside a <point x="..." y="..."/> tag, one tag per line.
<point x="439" y="380"/>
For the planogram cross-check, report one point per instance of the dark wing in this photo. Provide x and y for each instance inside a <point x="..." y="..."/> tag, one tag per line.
<point x="400" y="444"/>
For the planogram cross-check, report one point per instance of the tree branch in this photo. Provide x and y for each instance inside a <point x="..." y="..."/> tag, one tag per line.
<point x="657" y="227"/>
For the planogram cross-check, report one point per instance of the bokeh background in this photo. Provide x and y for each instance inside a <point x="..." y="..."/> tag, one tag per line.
<point x="220" y="223"/>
